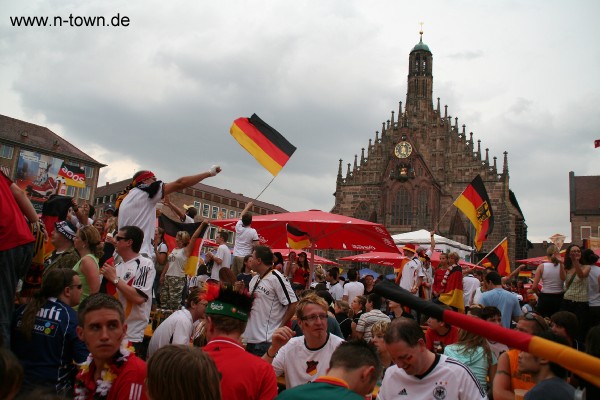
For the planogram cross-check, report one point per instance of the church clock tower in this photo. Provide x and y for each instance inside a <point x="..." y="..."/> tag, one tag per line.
<point x="420" y="79"/>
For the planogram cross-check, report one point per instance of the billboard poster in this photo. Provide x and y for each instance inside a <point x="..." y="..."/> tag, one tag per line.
<point x="37" y="175"/>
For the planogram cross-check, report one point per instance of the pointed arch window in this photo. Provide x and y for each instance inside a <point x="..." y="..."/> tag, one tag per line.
<point x="402" y="208"/>
<point x="423" y="212"/>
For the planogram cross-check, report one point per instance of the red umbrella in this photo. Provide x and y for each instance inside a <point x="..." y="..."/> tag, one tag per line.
<point x="377" y="257"/>
<point x="318" y="259"/>
<point x="325" y="231"/>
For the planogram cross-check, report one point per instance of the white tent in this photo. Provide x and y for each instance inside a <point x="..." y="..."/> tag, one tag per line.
<point x="422" y="238"/>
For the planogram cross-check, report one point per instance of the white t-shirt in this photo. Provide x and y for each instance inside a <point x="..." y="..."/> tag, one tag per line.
<point x="470" y="285"/>
<point x="137" y="209"/>
<point x="272" y="296"/>
<point x="353" y="289"/>
<point x="161" y="248"/>
<point x="410" y="273"/>
<point x="138" y="272"/>
<point x="224" y="254"/>
<point x="449" y="379"/>
<point x="302" y="365"/>
<point x="337" y="291"/>
<point x="177" y="329"/>
<point x="244" y="239"/>
<point x="177" y="261"/>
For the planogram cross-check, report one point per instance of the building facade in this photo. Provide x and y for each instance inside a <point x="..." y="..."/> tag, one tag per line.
<point x="419" y="163"/>
<point x="584" y="200"/>
<point x="32" y="155"/>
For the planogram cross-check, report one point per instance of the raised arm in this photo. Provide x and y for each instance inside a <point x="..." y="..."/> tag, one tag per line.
<point x="178" y="211"/>
<point x="247" y="208"/>
<point x="187" y="181"/>
<point x="190" y="247"/>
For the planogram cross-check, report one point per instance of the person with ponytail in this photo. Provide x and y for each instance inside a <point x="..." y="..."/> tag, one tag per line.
<point x="44" y="336"/>
<point x="87" y="244"/>
<point x="552" y="275"/>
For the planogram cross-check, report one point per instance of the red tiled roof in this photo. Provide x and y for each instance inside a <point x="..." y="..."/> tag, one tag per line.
<point x="38" y="137"/>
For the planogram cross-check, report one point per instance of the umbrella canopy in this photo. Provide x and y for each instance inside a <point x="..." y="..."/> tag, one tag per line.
<point x="324" y="230"/>
<point x="538" y="260"/>
<point x="422" y="237"/>
<point x="377" y="257"/>
<point x="318" y="259"/>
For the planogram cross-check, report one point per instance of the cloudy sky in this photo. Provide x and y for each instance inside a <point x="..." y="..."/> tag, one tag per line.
<point x="162" y="92"/>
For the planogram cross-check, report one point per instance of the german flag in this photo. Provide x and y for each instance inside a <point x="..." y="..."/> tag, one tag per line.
<point x="263" y="142"/>
<point x="476" y="205"/>
<point x="296" y="238"/>
<point x="74" y="176"/>
<point x="498" y="258"/>
<point x="171" y="228"/>
<point x="453" y="294"/>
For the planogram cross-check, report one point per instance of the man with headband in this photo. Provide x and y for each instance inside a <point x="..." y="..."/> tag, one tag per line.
<point x="64" y="254"/>
<point x="243" y="375"/>
<point x="137" y="204"/>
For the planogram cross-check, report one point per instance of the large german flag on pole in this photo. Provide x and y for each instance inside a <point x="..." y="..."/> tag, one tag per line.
<point x="476" y="205"/>
<point x="498" y="258"/>
<point x="263" y="142"/>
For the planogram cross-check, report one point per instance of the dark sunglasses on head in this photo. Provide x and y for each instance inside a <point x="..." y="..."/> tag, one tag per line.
<point x="530" y="316"/>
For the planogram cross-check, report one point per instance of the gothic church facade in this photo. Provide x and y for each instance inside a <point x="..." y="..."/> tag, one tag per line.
<point x="422" y="160"/>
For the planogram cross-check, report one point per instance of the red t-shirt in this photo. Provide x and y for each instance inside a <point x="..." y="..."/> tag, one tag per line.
<point x="438" y="277"/>
<point x="449" y="338"/>
<point x="131" y="382"/>
<point x="14" y="230"/>
<point x="243" y="375"/>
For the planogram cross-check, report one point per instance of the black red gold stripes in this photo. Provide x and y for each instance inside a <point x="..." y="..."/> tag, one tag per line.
<point x="263" y="142"/>
<point x="476" y="205"/>
<point x="296" y="238"/>
<point x="498" y="258"/>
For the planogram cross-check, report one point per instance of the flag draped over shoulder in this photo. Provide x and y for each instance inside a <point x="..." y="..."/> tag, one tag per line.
<point x="263" y="142"/>
<point x="498" y="258"/>
<point x="476" y="205"/>
<point x="296" y="238"/>
<point x="453" y="291"/>
<point x="74" y="175"/>
<point x="171" y="228"/>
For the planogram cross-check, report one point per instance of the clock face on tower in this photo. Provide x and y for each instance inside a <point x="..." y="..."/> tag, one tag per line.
<point x="403" y="149"/>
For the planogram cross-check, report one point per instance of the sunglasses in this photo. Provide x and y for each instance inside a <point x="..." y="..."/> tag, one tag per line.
<point x="530" y="316"/>
<point x="119" y="238"/>
<point x="80" y="286"/>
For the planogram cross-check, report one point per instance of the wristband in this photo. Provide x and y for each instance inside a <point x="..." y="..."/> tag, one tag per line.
<point x="271" y="356"/>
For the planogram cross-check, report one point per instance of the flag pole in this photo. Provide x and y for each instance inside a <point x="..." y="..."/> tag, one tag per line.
<point x="437" y="225"/>
<point x="268" y="184"/>
<point x="506" y="237"/>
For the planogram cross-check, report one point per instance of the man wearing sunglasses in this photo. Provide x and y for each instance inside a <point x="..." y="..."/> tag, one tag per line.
<point x="303" y="359"/>
<point x="132" y="281"/>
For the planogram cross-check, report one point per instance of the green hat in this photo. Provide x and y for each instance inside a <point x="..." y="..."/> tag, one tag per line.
<point x="229" y="310"/>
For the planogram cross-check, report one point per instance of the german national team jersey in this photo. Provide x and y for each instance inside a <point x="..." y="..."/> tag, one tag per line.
<point x="447" y="379"/>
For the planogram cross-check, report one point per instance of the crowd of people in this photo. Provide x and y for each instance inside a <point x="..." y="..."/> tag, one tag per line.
<point x="89" y="323"/>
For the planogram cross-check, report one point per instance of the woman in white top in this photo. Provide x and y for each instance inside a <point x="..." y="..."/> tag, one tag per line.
<point x="552" y="274"/>
<point x="590" y="258"/>
<point x="173" y="276"/>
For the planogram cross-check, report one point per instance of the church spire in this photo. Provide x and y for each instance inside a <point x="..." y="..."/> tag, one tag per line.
<point x="420" y="78"/>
